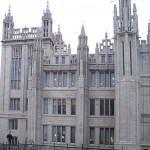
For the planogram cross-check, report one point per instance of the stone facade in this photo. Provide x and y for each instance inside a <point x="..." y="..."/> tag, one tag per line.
<point x="48" y="95"/>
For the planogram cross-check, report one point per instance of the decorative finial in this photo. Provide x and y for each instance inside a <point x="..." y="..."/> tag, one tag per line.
<point x="9" y="10"/>
<point x="82" y="30"/>
<point x="106" y="36"/>
<point x="134" y="8"/>
<point x="58" y="28"/>
<point x="47" y="7"/>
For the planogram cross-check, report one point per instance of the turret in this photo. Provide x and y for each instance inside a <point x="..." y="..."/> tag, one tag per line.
<point x="82" y="52"/>
<point x="8" y="26"/>
<point x="82" y="40"/>
<point x="47" y="22"/>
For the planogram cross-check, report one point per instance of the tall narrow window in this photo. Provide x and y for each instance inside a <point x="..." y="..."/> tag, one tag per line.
<point x="112" y="79"/>
<point x="102" y="107"/>
<point x="92" y="135"/>
<point x="26" y="104"/>
<point x="45" y="133"/>
<point x="93" y="79"/>
<point x="57" y="59"/>
<point x="107" y="107"/>
<point x="64" y="79"/>
<point x="111" y="107"/>
<point x="63" y="106"/>
<point x="109" y="59"/>
<point x="55" y="80"/>
<point x="45" y="33"/>
<point x="130" y="58"/>
<point x="16" y="68"/>
<point x="123" y="58"/>
<point x="73" y="107"/>
<point x="107" y="79"/>
<point x="102" y="79"/>
<point x="46" y="79"/>
<point x="59" y="106"/>
<point x="73" y="79"/>
<point x="107" y="136"/>
<point x="63" y="60"/>
<point x="103" y="59"/>
<point x="92" y="106"/>
<point x="111" y="136"/>
<point x="101" y="136"/>
<point x="45" y="106"/>
<point x="72" y="134"/>
<point x="60" y="79"/>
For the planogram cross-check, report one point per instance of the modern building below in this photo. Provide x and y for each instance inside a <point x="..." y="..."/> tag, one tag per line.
<point x="48" y="95"/>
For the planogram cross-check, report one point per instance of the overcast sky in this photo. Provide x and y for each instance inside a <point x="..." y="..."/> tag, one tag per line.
<point x="96" y="15"/>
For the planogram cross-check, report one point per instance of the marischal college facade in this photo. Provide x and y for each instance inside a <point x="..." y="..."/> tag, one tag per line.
<point x="48" y="95"/>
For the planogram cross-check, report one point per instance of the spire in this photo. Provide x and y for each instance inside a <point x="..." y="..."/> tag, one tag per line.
<point x="115" y="9"/>
<point x="82" y="37"/>
<point x="9" y="10"/>
<point x="106" y="35"/>
<point x="134" y="8"/>
<point x="58" y="28"/>
<point x="47" y="7"/>
<point x="82" y="31"/>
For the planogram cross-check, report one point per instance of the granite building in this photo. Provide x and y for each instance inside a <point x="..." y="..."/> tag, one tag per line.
<point x="48" y="95"/>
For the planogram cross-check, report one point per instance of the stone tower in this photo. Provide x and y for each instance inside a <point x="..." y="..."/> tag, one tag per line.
<point x="126" y="42"/>
<point x="82" y="94"/>
<point x="8" y="26"/>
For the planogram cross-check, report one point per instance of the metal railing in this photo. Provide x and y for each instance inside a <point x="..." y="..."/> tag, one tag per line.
<point x="19" y="146"/>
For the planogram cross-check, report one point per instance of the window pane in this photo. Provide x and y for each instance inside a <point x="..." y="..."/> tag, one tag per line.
<point x="73" y="79"/>
<point x="63" y="60"/>
<point x="101" y="136"/>
<point x="54" y="107"/>
<point x="102" y="107"/>
<point x="112" y="79"/>
<point x="63" y="134"/>
<point x="72" y="135"/>
<point x="107" y="79"/>
<point x="57" y="60"/>
<point x="92" y="135"/>
<point x="64" y="79"/>
<point x="93" y="79"/>
<point x="102" y="79"/>
<point x="92" y="107"/>
<point x="60" y="79"/>
<point x="45" y="133"/>
<point x="106" y="136"/>
<point x="111" y="107"/>
<point x="45" y="106"/>
<point x="59" y="106"/>
<point x="107" y="107"/>
<point x="73" y="107"/>
<point x="55" y="80"/>
<point x="58" y="134"/>
<point x="64" y="106"/>
<point x="111" y="136"/>
<point x="109" y="59"/>
<point x="54" y="134"/>
<point x="103" y="59"/>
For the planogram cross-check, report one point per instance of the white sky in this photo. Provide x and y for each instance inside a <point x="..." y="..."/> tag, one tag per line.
<point x="96" y="15"/>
